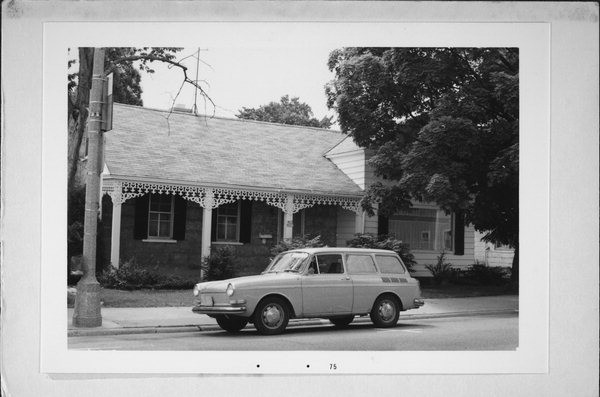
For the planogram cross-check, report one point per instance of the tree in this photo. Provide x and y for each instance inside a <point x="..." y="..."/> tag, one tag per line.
<point x="87" y="300"/>
<point x="287" y="111"/>
<point x="126" y="64"/>
<point x="443" y="124"/>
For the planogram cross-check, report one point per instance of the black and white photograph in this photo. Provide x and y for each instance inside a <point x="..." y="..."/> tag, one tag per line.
<point x="262" y="197"/>
<point x="394" y="209"/>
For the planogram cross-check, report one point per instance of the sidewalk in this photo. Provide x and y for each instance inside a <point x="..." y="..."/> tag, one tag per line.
<point x="181" y="319"/>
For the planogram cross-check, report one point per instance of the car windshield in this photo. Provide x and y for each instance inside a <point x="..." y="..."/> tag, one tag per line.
<point x="287" y="262"/>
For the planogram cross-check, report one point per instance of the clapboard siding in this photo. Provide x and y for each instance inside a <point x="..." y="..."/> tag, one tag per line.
<point x="352" y="164"/>
<point x="459" y="261"/>
<point x="490" y="255"/>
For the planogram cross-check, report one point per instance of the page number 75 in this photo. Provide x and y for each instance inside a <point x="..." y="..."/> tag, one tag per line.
<point x="333" y="366"/>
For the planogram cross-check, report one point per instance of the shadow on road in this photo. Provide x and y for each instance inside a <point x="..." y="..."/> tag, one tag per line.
<point x="250" y="331"/>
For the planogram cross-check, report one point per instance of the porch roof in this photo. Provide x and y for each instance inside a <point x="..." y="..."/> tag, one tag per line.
<point x="144" y="145"/>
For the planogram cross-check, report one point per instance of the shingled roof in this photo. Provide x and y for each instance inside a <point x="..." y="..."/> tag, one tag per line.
<point x="143" y="145"/>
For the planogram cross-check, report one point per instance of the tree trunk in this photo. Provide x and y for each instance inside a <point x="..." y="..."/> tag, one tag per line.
<point x="79" y="112"/>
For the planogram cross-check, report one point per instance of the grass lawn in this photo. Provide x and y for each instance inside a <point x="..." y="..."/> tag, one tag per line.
<point x="161" y="298"/>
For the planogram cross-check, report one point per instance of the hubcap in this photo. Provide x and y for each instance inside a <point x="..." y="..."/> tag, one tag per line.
<point x="272" y="316"/>
<point x="386" y="310"/>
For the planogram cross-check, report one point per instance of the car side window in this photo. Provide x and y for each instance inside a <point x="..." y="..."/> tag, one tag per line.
<point x="360" y="264"/>
<point x="389" y="264"/>
<point x="330" y="263"/>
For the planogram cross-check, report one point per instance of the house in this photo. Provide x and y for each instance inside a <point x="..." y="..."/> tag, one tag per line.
<point x="492" y="254"/>
<point x="176" y="186"/>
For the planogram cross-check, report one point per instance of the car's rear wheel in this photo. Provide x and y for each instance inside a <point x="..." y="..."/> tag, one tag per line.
<point x="231" y="323"/>
<point x="271" y="316"/>
<point x="385" y="312"/>
<point x="341" y="322"/>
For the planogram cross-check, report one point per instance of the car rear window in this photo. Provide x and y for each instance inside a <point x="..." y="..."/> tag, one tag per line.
<point x="389" y="264"/>
<point x="360" y="264"/>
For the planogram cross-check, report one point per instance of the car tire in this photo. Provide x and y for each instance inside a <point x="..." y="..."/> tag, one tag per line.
<point x="271" y="316"/>
<point x="385" y="312"/>
<point x="341" y="322"/>
<point x="231" y="323"/>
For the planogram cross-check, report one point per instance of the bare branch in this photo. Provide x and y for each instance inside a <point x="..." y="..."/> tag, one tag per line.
<point x="171" y="63"/>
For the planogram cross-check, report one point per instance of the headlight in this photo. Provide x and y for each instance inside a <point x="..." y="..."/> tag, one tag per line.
<point x="196" y="290"/>
<point x="229" y="290"/>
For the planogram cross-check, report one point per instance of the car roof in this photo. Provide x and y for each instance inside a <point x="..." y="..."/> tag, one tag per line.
<point x="321" y="250"/>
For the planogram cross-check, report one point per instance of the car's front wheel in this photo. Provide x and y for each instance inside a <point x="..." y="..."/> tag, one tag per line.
<point x="231" y="323"/>
<point x="271" y="316"/>
<point x="341" y="322"/>
<point x="385" y="312"/>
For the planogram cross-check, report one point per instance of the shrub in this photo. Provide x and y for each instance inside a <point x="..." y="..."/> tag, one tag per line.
<point x="220" y="265"/>
<point x="297" y="242"/>
<point x="442" y="270"/>
<point x="131" y="276"/>
<point x="488" y="275"/>
<point x="384" y="242"/>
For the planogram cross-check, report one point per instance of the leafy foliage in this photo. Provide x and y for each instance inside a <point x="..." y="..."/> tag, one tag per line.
<point x="296" y="243"/>
<point x="443" y="124"/>
<point x="287" y="111"/>
<point x="488" y="275"/>
<point x="132" y="276"/>
<point x="220" y="265"/>
<point x="441" y="271"/>
<point x="384" y="242"/>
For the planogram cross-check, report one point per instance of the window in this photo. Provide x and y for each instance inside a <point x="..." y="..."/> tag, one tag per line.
<point x="389" y="264"/>
<point x="160" y="216"/>
<point x="423" y="229"/>
<point x="330" y="263"/>
<point x="228" y="222"/>
<point x="360" y="264"/>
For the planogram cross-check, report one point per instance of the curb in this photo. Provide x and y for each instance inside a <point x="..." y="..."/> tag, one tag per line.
<point x="293" y="323"/>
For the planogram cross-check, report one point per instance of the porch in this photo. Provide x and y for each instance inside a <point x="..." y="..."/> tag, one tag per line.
<point x="173" y="226"/>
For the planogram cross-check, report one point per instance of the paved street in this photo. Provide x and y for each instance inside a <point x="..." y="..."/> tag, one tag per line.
<point x="484" y="332"/>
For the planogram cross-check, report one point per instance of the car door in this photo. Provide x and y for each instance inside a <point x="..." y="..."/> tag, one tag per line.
<point x="365" y="280"/>
<point x="329" y="290"/>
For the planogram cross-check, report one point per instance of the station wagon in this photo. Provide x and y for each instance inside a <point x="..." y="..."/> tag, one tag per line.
<point x="337" y="284"/>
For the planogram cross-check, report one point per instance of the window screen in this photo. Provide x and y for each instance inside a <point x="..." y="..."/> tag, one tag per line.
<point x="357" y="264"/>
<point x="389" y="264"/>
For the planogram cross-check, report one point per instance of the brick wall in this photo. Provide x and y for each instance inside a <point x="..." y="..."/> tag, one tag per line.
<point x="322" y="219"/>
<point x="181" y="257"/>
<point x="253" y="258"/>
<point x="184" y="257"/>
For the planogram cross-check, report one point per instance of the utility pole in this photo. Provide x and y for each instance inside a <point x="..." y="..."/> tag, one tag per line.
<point x="87" y="300"/>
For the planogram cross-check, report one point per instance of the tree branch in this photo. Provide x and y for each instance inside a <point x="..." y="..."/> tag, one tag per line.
<point x="183" y="68"/>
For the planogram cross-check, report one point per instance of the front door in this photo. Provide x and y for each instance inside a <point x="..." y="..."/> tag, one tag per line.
<point x="327" y="289"/>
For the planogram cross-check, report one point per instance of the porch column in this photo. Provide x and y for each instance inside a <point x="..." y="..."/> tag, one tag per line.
<point x="288" y="218"/>
<point x="359" y="222"/>
<point x="115" y="235"/>
<point x="209" y="201"/>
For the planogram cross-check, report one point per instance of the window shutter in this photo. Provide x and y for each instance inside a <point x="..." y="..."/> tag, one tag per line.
<point x="246" y="221"/>
<point x="140" y="227"/>
<point x="459" y="233"/>
<point x="383" y="225"/>
<point x="213" y="225"/>
<point x="180" y="210"/>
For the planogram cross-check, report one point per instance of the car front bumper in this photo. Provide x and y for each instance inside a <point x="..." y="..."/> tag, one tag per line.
<point x="219" y="309"/>
<point x="418" y="302"/>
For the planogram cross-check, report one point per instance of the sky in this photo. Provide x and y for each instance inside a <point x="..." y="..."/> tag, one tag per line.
<point x="239" y="77"/>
